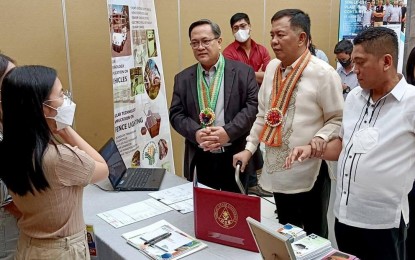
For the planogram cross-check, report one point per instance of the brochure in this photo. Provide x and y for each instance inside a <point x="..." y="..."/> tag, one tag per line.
<point x="163" y="241"/>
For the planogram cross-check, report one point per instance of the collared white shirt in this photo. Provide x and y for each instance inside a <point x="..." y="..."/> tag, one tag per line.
<point x="315" y="109"/>
<point x="395" y="14"/>
<point x="387" y="9"/>
<point x="376" y="168"/>
<point x="367" y="17"/>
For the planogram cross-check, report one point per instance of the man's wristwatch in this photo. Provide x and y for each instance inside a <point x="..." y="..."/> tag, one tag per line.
<point x="346" y="90"/>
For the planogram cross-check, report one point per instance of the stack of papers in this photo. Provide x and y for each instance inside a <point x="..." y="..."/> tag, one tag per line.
<point x="292" y="232"/>
<point x="311" y="247"/>
<point x="175" y="245"/>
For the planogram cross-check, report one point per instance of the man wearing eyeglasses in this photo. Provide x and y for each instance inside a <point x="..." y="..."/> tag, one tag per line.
<point x="246" y="50"/>
<point x="213" y="107"/>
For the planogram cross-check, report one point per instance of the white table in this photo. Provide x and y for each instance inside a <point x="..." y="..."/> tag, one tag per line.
<point x="111" y="245"/>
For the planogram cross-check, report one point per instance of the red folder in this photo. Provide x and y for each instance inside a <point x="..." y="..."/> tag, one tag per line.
<point x="220" y="216"/>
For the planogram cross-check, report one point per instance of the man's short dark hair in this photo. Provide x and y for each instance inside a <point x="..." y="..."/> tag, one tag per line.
<point x="215" y="28"/>
<point x="379" y="41"/>
<point x="239" y="16"/>
<point x="345" y="46"/>
<point x="299" y="19"/>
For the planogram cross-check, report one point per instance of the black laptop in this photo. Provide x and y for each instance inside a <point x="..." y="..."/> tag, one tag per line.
<point x="131" y="179"/>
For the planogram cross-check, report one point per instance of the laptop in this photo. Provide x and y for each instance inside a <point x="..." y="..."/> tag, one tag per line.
<point x="271" y="244"/>
<point x="131" y="179"/>
<point x="220" y="216"/>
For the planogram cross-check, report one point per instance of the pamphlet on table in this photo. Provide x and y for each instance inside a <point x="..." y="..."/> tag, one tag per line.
<point x="162" y="241"/>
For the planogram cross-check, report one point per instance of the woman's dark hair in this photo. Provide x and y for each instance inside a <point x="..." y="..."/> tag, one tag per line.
<point x="26" y="133"/>
<point x="410" y="66"/>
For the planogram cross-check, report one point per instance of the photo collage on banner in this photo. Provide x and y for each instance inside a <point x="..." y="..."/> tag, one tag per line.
<point x="355" y="16"/>
<point x="142" y="128"/>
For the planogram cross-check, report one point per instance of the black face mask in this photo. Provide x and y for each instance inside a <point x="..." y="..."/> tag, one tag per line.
<point x="345" y="63"/>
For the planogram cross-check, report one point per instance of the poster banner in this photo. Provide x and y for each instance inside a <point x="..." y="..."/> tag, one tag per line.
<point x="356" y="16"/>
<point x="141" y="123"/>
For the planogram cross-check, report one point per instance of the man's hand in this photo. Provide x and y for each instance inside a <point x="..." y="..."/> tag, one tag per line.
<point x="219" y="132"/>
<point x="300" y="153"/>
<point x="206" y="140"/>
<point x="318" y="146"/>
<point x="244" y="157"/>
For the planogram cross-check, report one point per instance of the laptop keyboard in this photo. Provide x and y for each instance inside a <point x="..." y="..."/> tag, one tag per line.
<point x="142" y="176"/>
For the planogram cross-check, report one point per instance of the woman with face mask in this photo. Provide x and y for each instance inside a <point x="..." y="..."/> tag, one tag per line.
<point x="44" y="176"/>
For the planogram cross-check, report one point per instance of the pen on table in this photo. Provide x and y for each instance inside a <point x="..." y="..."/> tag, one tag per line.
<point x="157" y="239"/>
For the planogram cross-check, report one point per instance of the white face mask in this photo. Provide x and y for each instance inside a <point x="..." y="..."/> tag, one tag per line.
<point x="65" y="114"/>
<point x="242" y="35"/>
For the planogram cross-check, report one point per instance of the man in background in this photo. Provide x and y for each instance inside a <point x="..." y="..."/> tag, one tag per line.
<point x="387" y="8"/>
<point x="214" y="104"/>
<point x="378" y="14"/>
<point x="246" y="50"/>
<point x="343" y="51"/>
<point x="367" y="16"/>
<point x="395" y="14"/>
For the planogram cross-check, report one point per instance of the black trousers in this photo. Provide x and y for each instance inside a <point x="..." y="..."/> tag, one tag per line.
<point x="307" y="209"/>
<point x="216" y="170"/>
<point x="410" y="239"/>
<point x="368" y="244"/>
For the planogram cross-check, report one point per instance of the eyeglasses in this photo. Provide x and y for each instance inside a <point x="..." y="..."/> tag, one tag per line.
<point x="205" y="43"/>
<point x="66" y="94"/>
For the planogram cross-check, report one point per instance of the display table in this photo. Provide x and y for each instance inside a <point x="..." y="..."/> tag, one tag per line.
<point x="110" y="244"/>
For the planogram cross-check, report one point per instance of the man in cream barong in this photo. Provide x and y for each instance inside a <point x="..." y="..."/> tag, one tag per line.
<point x="300" y="102"/>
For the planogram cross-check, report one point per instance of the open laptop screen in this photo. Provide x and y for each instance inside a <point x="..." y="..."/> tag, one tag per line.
<point x="114" y="161"/>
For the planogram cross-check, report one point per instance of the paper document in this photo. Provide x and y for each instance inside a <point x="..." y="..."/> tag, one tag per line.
<point x="183" y="207"/>
<point x="176" y="245"/>
<point x="174" y="194"/>
<point x="134" y="212"/>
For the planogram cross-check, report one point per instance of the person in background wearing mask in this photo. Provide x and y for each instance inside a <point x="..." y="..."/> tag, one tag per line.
<point x="8" y="213"/>
<point x="45" y="177"/>
<point x="343" y="51"/>
<point x="246" y="50"/>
